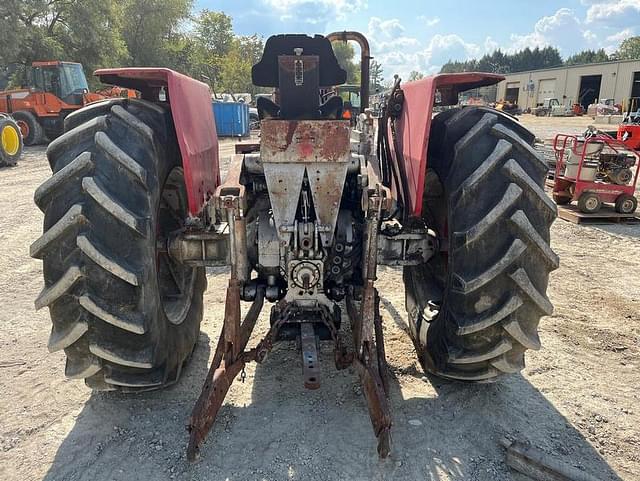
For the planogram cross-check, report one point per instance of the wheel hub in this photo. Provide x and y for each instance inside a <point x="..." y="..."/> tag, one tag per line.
<point x="24" y="128"/>
<point x="10" y="140"/>
<point x="176" y="280"/>
<point x="592" y="203"/>
<point x="627" y="206"/>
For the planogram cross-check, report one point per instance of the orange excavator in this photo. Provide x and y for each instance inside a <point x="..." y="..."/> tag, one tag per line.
<point x="51" y="90"/>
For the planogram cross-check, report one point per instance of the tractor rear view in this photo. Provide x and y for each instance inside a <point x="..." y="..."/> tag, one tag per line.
<point x="135" y="211"/>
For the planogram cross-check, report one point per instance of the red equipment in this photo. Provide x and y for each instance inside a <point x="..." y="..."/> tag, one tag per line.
<point x="595" y="169"/>
<point x="52" y="91"/>
<point x="303" y="219"/>
<point x="629" y="129"/>
<point x="193" y="120"/>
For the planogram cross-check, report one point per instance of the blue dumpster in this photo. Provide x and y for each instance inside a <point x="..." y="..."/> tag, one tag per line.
<point x="232" y="119"/>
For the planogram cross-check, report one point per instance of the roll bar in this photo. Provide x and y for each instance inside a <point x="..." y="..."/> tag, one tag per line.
<point x="365" y="57"/>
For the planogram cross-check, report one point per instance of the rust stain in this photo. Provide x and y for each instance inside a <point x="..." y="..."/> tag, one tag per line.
<point x="306" y="141"/>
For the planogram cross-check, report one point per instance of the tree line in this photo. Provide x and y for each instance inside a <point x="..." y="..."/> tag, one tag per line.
<point x="115" y="33"/>
<point x="541" y="58"/>
<point x="121" y="33"/>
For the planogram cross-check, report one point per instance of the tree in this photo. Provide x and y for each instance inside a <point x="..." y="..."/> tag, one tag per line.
<point x="499" y="62"/>
<point x="150" y="26"/>
<point x="212" y="41"/>
<point x="235" y="71"/>
<point x="214" y="32"/>
<point x="629" y="49"/>
<point x="415" y="75"/>
<point x="375" y="76"/>
<point x="85" y="31"/>
<point x="587" y="56"/>
<point x="345" y="53"/>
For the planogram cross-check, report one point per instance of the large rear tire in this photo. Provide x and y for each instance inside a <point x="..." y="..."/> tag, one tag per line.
<point x="32" y="131"/>
<point x="474" y="308"/>
<point x="126" y="315"/>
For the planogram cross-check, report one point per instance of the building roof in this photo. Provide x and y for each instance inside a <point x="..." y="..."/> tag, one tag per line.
<point x="581" y="65"/>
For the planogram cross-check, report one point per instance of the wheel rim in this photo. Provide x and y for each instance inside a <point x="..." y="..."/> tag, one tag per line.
<point x="625" y="177"/>
<point x="10" y="140"/>
<point x="24" y="128"/>
<point x="591" y="203"/>
<point x="176" y="281"/>
<point x="627" y="206"/>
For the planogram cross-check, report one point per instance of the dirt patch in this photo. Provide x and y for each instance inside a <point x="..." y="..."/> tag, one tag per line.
<point x="577" y="398"/>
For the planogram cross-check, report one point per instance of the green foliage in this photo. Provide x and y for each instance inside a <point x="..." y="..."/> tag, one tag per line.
<point x="499" y="62"/>
<point x="86" y="31"/>
<point x="375" y="77"/>
<point x="587" y="56"/>
<point x="629" y="49"/>
<point x="345" y="54"/>
<point x="235" y="72"/>
<point x="415" y="75"/>
<point x="214" y="32"/>
<point x="149" y="27"/>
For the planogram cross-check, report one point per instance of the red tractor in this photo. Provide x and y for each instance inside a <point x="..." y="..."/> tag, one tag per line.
<point x="135" y="211"/>
<point x="50" y="92"/>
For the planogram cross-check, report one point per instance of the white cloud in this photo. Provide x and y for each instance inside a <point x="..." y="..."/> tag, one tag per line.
<point x="400" y="53"/>
<point x="384" y="29"/>
<point x="593" y="24"/>
<point x="615" y="13"/>
<point x="429" y="21"/>
<point x="490" y="45"/>
<point x="314" y="12"/>
<point x="620" y="36"/>
<point x="562" y="30"/>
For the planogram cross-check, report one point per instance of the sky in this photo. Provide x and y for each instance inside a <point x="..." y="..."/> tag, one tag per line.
<point x="417" y="35"/>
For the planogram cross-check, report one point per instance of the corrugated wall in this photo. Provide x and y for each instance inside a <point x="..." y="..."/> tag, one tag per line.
<point x="617" y="78"/>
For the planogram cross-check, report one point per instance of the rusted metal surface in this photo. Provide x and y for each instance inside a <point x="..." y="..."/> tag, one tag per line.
<point x="327" y="182"/>
<point x="321" y="150"/>
<point x="305" y="141"/>
<point x="381" y="355"/>
<point x="285" y="183"/>
<point x="310" y="364"/>
<point x="247" y="148"/>
<point x="365" y="57"/>
<point x="231" y="193"/>
<point x="228" y="361"/>
<point x="377" y="404"/>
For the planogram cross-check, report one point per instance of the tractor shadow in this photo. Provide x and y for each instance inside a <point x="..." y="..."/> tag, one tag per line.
<point x="133" y="436"/>
<point x="271" y="428"/>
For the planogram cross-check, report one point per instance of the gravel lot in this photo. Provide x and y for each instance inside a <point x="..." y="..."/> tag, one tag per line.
<point x="577" y="399"/>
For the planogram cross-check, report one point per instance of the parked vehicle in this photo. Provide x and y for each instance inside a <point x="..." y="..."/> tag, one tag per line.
<point x="135" y="211"/>
<point x="51" y="91"/>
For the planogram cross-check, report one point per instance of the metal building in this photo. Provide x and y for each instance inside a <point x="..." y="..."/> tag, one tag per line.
<point x="582" y="84"/>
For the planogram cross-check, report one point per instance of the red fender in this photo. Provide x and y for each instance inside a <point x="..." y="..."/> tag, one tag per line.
<point x="192" y="114"/>
<point x="414" y="124"/>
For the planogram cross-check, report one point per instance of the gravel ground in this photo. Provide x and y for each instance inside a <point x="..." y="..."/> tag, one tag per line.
<point x="577" y="399"/>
